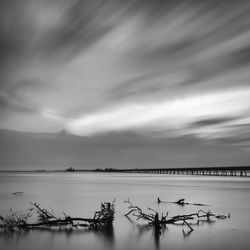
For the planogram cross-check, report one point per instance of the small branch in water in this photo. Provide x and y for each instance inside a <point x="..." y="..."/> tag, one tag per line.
<point x="137" y="212"/>
<point x="191" y="229"/>
<point x="17" y="193"/>
<point x="180" y="202"/>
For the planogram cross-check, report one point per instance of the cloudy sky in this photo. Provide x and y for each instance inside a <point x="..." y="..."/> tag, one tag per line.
<point x="158" y="68"/>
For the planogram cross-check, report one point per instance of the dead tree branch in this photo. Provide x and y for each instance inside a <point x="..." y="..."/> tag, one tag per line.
<point x="159" y="223"/>
<point x="46" y="218"/>
<point x="181" y="202"/>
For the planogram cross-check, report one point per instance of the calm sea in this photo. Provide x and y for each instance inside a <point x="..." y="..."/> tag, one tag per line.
<point x="80" y="194"/>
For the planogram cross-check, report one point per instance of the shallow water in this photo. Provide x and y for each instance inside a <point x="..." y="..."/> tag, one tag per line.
<point x="80" y="194"/>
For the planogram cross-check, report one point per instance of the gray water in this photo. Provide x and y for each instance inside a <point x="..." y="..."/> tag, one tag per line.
<point x="80" y="194"/>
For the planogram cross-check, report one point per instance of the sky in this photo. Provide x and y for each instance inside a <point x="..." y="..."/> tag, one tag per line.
<point x="158" y="68"/>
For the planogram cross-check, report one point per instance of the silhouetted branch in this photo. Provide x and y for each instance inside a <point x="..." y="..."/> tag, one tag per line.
<point x="159" y="222"/>
<point x="139" y="214"/>
<point x="181" y="202"/>
<point x="46" y="218"/>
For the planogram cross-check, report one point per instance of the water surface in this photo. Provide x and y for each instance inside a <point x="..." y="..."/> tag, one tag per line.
<point x="80" y="194"/>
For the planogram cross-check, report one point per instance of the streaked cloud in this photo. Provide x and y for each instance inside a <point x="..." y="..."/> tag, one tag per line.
<point x="169" y="114"/>
<point x="170" y="68"/>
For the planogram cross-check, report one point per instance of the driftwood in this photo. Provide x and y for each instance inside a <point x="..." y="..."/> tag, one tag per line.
<point x="152" y="218"/>
<point x="46" y="219"/>
<point x="181" y="202"/>
<point x="17" y="193"/>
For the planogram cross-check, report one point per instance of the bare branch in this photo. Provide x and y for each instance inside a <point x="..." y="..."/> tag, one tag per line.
<point x="180" y="202"/>
<point x="159" y="223"/>
<point x="46" y="218"/>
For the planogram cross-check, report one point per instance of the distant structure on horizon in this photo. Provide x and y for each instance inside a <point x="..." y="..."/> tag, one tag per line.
<point x="210" y="171"/>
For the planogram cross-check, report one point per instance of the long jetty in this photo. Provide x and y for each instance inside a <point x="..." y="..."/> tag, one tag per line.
<point x="212" y="171"/>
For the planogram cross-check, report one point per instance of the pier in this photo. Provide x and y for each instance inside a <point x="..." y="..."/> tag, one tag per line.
<point x="210" y="171"/>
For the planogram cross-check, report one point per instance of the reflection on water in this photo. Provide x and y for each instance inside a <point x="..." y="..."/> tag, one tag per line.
<point x="79" y="195"/>
<point x="107" y="234"/>
<point x="157" y="238"/>
<point x="13" y="238"/>
<point x="158" y="232"/>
